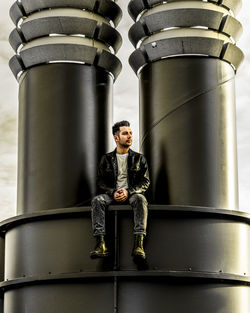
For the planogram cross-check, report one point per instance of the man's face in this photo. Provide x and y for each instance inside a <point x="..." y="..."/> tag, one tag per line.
<point x="124" y="137"/>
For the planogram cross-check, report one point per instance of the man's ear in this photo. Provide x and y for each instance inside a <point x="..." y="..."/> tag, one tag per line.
<point x="116" y="138"/>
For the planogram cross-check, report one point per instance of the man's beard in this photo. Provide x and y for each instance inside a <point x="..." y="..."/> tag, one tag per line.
<point x="125" y="145"/>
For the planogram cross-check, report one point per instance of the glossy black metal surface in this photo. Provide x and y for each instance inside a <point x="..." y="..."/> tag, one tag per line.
<point x="170" y="297"/>
<point x="188" y="131"/>
<point x="61" y="298"/>
<point x="64" y="120"/>
<point x="185" y="261"/>
<point x="68" y="240"/>
<point x="190" y="241"/>
<point x="188" y="135"/>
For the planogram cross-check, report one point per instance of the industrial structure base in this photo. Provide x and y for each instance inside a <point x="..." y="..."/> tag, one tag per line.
<point x="196" y="262"/>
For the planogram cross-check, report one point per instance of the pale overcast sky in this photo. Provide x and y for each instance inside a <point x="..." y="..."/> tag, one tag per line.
<point x="125" y="104"/>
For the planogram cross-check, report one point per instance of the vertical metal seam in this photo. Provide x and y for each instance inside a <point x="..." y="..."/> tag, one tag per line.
<point x="115" y="295"/>
<point x="116" y="260"/>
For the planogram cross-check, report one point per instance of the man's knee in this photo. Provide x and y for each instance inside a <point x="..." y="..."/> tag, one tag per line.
<point x="98" y="199"/>
<point x="138" y="198"/>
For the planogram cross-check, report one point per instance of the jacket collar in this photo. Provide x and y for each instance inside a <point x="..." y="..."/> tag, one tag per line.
<point x="130" y="152"/>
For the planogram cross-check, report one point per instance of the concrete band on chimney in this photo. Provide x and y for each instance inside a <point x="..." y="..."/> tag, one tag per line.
<point x="65" y="22"/>
<point x="181" y="28"/>
<point x="106" y="8"/>
<point x="137" y="7"/>
<point x="87" y="27"/>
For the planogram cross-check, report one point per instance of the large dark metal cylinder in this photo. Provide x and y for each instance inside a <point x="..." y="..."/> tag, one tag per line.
<point x="188" y="132"/>
<point x="197" y="258"/>
<point x="65" y="117"/>
<point x="186" y="59"/>
<point x="65" y="63"/>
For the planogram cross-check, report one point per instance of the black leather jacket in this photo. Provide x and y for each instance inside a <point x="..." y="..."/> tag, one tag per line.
<point x="138" y="176"/>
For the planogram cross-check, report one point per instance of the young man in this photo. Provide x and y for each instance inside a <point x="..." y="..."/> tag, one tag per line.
<point x="122" y="176"/>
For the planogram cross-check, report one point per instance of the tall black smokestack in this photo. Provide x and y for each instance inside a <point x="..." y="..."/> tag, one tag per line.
<point x="65" y="64"/>
<point x="186" y="61"/>
<point x="66" y="69"/>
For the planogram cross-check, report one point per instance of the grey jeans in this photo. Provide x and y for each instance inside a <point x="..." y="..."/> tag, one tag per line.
<point x="101" y="202"/>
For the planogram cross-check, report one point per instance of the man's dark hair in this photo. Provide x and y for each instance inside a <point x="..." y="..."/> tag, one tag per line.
<point x="117" y="126"/>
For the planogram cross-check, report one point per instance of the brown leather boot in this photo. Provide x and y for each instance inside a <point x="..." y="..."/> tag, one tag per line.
<point x="101" y="251"/>
<point x="138" y="251"/>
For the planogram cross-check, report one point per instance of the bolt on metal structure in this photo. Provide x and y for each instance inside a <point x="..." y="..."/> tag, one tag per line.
<point x="198" y="243"/>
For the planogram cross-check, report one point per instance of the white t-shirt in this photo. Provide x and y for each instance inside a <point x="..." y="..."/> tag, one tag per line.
<point x="122" y="179"/>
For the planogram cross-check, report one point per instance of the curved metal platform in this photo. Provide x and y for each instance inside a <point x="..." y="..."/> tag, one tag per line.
<point x="198" y="249"/>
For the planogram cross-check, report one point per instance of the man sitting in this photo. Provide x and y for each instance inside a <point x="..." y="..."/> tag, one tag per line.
<point x="122" y="176"/>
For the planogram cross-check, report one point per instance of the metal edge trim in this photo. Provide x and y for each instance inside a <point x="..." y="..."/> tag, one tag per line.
<point x="81" y="276"/>
<point x="170" y="209"/>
